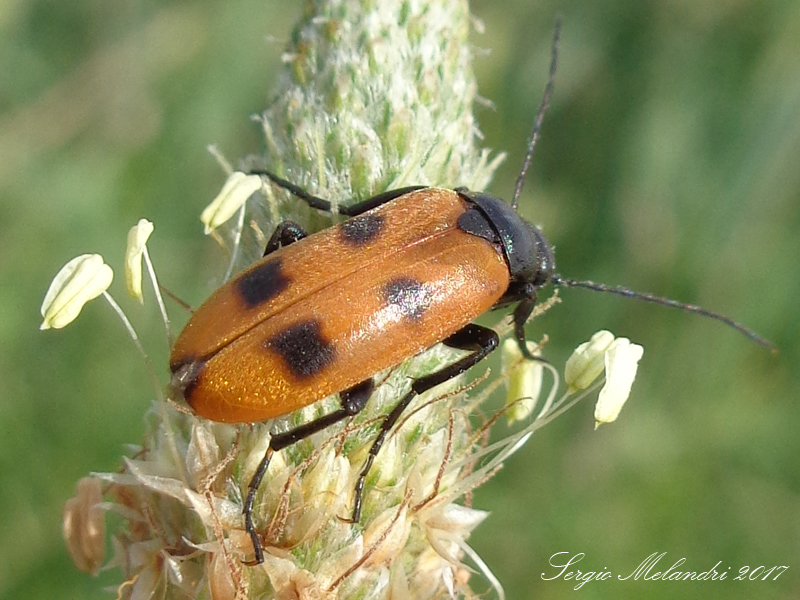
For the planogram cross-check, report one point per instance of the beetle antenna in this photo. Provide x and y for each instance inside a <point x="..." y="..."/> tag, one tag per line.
<point x="558" y="280"/>
<point x="548" y="91"/>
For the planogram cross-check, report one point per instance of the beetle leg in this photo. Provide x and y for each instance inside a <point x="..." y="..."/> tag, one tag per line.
<point x="325" y="205"/>
<point x="525" y="295"/>
<point x="353" y="401"/>
<point x="480" y="340"/>
<point x="354" y="210"/>
<point x="521" y="314"/>
<point x="287" y="232"/>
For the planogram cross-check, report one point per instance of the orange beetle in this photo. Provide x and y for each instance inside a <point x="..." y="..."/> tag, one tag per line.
<point x="413" y="267"/>
<point x="297" y="329"/>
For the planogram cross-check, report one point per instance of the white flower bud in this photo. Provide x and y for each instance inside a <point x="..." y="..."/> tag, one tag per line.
<point x="137" y="238"/>
<point x="621" y="361"/>
<point x="237" y="189"/>
<point x="82" y="279"/>
<point x="586" y="363"/>
<point x="524" y="381"/>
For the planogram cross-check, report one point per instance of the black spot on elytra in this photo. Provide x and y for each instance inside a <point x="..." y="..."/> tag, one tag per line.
<point x="303" y="348"/>
<point x="361" y="230"/>
<point x="262" y="283"/>
<point x="409" y="295"/>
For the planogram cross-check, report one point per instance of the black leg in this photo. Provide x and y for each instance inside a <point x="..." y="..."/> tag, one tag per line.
<point x="525" y="296"/>
<point x="325" y="205"/>
<point x="287" y="232"/>
<point x="353" y="401"/>
<point x="361" y="207"/>
<point x="521" y="314"/>
<point x="480" y="340"/>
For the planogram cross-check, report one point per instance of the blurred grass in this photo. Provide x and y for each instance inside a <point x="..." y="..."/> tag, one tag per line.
<point x="668" y="163"/>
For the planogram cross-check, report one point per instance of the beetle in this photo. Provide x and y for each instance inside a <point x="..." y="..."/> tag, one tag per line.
<point x="413" y="271"/>
<point x="414" y="267"/>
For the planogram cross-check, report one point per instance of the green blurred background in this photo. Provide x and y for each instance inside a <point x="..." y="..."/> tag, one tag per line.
<point x="669" y="162"/>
